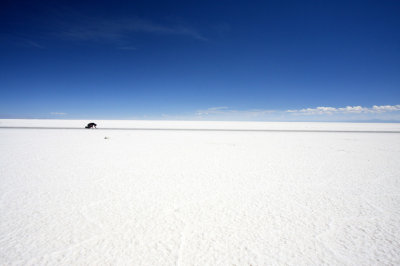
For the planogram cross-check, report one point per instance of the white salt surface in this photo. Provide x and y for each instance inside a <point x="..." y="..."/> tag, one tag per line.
<point x="226" y="125"/>
<point x="72" y="197"/>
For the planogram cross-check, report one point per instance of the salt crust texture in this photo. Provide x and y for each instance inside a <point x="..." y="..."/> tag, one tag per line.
<point x="71" y="197"/>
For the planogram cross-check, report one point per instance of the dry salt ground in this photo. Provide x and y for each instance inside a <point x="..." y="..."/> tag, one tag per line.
<point x="186" y="197"/>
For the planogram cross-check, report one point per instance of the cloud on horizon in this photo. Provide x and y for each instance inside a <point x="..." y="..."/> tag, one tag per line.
<point x="346" y="110"/>
<point x="348" y="113"/>
<point x="58" y="113"/>
<point x="227" y="113"/>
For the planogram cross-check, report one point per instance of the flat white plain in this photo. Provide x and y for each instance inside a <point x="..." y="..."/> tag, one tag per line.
<point x="74" y="197"/>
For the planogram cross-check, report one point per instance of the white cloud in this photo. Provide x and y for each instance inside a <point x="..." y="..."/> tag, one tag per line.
<point x="225" y="113"/>
<point x="30" y="43"/>
<point x="322" y="113"/>
<point x="120" y="30"/>
<point x="58" y="113"/>
<point x="346" y="110"/>
<point x="213" y="110"/>
<point x="386" y="108"/>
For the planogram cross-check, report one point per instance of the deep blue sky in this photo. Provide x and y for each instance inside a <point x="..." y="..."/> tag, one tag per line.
<point x="197" y="59"/>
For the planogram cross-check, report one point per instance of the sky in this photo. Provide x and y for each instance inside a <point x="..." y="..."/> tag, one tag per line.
<point x="201" y="60"/>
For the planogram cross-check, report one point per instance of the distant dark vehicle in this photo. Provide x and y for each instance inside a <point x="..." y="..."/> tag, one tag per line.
<point x="91" y="125"/>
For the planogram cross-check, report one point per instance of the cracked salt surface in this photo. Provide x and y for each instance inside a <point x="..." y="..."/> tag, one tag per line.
<point x="70" y="197"/>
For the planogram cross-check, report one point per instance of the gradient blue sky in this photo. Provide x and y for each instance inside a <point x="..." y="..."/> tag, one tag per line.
<point x="227" y="60"/>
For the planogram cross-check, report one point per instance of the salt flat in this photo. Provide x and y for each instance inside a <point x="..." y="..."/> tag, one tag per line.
<point x="142" y="197"/>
